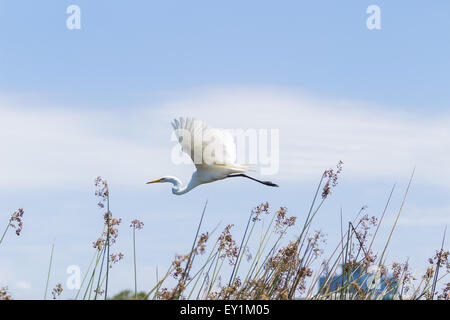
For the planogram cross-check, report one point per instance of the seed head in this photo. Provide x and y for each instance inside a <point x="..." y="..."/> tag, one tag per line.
<point x="16" y="221"/>
<point x="56" y="292"/>
<point x="136" y="224"/>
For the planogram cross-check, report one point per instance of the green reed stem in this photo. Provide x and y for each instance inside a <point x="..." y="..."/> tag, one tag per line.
<point x="48" y="274"/>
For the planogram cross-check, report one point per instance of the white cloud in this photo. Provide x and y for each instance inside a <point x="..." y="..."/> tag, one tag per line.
<point x="9" y="277"/>
<point x="45" y="147"/>
<point x="427" y="217"/>
<point x="316" y="133"/>
<point x="21" y="284"/>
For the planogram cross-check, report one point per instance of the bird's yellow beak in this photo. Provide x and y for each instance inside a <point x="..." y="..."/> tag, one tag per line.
<point x="157" y="180"/>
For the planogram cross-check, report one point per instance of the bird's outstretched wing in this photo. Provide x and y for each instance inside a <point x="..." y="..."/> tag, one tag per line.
<point x="205" y="145"/>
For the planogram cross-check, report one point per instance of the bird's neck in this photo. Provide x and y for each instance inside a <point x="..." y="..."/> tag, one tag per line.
<point x="178" y="188"/>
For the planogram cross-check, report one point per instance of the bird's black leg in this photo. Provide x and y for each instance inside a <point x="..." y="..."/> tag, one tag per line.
<point x="267" y="183"/>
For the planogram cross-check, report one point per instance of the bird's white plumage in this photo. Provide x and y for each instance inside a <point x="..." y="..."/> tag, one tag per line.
<point x="213" y="152"/>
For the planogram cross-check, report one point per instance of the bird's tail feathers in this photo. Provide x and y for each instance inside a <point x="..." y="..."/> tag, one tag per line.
<point x="242" y="168"/>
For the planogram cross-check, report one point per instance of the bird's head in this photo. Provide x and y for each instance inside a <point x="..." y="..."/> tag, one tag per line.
<point x="163" y="179"/>
<point x="169" y="179"/>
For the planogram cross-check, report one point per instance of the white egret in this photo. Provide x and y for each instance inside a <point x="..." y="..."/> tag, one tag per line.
<point x="214" y="157"/>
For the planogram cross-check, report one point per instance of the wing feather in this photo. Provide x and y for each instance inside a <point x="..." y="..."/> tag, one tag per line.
<point x="204" y="144"/>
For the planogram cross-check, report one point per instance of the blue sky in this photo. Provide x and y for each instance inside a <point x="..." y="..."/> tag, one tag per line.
<point x="98" y="101"/>
<point x="147" y="46"/>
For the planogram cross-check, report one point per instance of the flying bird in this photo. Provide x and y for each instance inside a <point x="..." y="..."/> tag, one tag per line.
<point x="214" y="156"/>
